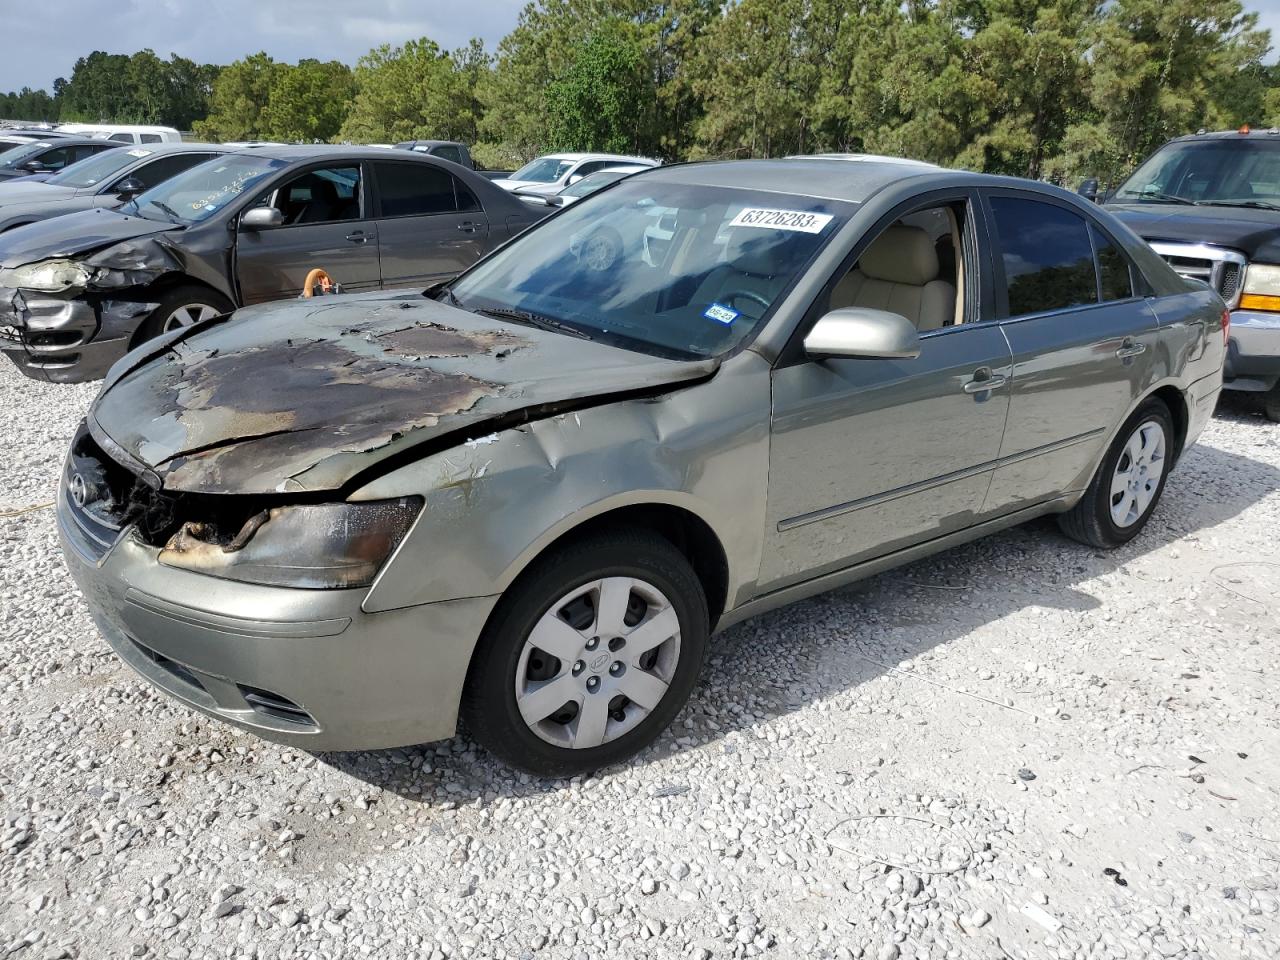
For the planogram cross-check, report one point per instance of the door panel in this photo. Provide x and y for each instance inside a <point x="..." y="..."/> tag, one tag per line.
<point x="421" y="250"/>
<point x="1082" y="347"/>
<point x="870" y="456"/>
<point x="273" y="264"/>
<point x="430" y="227"/>
<point x="1075" y="374"/>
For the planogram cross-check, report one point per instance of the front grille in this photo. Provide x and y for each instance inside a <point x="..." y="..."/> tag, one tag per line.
<point x="1220" y="268"/>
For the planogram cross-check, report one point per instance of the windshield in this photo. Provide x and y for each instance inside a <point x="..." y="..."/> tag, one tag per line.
<point x="93" y="170"/>
<point x="1230" y="172"/>
<point x="7" y="149"/>
<point x="678" y="270"/>
<point x="199" y="193"/>
<point x="543" y="170"/>
<point x="594" y="181"/>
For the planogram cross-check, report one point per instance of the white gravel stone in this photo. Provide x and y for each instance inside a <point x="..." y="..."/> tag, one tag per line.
<point x="835" y="788"/>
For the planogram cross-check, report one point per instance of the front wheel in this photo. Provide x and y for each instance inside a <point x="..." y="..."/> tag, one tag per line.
<point x="1125" y="490"/>
<point x="182" y="307"/>
<point x="589" y="656"/>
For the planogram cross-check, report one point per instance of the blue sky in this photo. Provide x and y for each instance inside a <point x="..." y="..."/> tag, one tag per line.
<point x="42" y="39"/>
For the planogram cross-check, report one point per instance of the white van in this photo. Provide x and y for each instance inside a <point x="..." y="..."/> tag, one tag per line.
<point x="123" y="133"/>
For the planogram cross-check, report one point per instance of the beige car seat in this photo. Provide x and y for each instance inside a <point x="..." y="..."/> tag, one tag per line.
<point x="899" y="273"/>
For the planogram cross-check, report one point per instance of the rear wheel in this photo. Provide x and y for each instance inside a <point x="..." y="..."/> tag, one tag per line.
<point x="182" y="307"/>
<point x="1128" y="484"/>
<point x="589" y="656"/>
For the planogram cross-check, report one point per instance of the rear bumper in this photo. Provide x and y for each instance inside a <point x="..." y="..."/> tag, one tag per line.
<point x="1253" y="352"/>
<point x="303" y="667"/>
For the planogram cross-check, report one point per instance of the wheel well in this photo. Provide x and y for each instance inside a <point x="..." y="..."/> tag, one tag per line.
<point x="685" y="530"/>
<point x="15" y="226"/>
<point x="1177" y="404"/>
<point x="158" y="288"/>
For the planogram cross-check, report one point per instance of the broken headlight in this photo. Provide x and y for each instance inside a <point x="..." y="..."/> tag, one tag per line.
<point x="317" y="546"/>
<point x="48" y="276"/>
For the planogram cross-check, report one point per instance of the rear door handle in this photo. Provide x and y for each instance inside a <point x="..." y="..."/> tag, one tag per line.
<point x="467" y="226"/>
<point x="984" y="380"/>
<point x="1130" y="348"/>
<point x="358" y="237"/>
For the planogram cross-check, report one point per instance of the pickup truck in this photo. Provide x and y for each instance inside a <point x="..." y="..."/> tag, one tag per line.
<point x="1209" y="204"/>
<point x="453" y="151"/>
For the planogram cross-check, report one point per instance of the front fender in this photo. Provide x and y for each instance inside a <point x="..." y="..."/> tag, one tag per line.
<point x="496" y="502"/>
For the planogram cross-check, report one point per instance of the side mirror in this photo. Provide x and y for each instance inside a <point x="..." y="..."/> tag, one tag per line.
<point x="555" y="201"/>
<point x="860" y="332"/>
<point x="129" y="187"/>
<point x="34" y="166"/>
<point x="1089" y="189"/>
<point x="261" y="218"/>
<point x="574" y="179"/>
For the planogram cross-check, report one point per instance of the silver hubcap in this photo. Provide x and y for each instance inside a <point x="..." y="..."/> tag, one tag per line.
<point x="1138" y="473"/>
<point x="598" y="662"/>
<point x="188" y="314"/>
<point x="599" y="254"/>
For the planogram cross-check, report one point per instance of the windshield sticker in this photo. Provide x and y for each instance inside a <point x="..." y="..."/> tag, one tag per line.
<point x="796" y="220"/>
<point x="141" y="153"/>
<point x="721" y="313"/>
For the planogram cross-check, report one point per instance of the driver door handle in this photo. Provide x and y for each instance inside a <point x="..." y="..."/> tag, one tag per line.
<point x="984" y="379"/>
<point x="467" y="226"/>
<point x="358" y="237"/>
<point x="1130" y="348"/>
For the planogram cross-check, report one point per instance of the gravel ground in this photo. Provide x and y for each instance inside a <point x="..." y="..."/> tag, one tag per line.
<point x="1021" y="748"/>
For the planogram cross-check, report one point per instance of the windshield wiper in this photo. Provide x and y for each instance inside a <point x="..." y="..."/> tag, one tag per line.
<point x="532" y="320"/>
<point x="1256" y="204"/>
<point x="1160" y="198"/>
<point x="167" y="210"/>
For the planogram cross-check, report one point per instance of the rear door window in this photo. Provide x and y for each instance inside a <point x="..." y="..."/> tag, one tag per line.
<point x="1047" y="256"/>
<point x="121" y="137"/>
<point x="448" y="153"/>
<point x="414" y="189"/>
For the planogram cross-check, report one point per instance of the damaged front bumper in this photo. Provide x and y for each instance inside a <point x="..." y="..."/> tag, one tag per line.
<point x="66" y="339"/>
<point x="305" y="667"/>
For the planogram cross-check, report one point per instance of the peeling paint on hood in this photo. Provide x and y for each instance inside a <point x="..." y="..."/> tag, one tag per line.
<point x="304" y="395"/>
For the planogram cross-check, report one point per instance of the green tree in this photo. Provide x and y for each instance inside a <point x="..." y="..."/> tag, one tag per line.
<point x="240" y="94"/>
<point x="98" y="89"/>
<point x="1155" y="66"/>
<point x="598" y="102"/>
<point x="307" y="102"/>
<point x="416" y="91"/>
<point x="28" y="104"/>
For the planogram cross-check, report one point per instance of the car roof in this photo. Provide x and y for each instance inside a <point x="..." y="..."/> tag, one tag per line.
<point x="831" y="178"/>
<point x="594" y="156"/>
<point x="65" y="141"/>
<point x="185" y="146"/>
<point x="1258" y="134"/>
<point x="320" y="151"/>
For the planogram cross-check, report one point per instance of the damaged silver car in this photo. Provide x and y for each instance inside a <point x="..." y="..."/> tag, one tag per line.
<point x="526" y="498"/>
<point x="78" y="292"/>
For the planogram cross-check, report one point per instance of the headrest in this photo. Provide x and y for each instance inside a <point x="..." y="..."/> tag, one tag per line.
<point x="901" y="255"/>
<point x="755" y="251"/>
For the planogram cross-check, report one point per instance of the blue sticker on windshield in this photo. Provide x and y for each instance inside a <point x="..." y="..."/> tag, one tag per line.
<point x="721" y="313"/>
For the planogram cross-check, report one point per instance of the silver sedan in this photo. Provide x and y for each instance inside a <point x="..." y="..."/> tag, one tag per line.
<point x="527" y="497"/>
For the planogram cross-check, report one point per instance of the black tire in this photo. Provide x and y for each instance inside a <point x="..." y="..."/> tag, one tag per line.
<point x="176" y="298"/>
<point x="1090" y="520"/>
<point x="489" y="708"/>
<point x="1271" y="404"/>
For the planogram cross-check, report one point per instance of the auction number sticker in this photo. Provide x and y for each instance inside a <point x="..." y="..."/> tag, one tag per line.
<point x="796" y="220"/>
<point x="720" y="313"/>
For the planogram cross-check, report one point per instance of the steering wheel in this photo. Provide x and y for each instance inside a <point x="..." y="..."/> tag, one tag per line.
<point x="748" y="295"/>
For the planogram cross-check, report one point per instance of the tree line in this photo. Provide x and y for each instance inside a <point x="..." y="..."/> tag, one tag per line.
<point x="1037" y="88"/>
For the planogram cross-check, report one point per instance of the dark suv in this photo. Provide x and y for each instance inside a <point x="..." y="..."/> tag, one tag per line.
<point x="1210" y="205"/>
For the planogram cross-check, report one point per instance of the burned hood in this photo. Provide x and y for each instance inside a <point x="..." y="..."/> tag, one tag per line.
<point x="75" y="234"/>
<point x="305" y="395"/>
